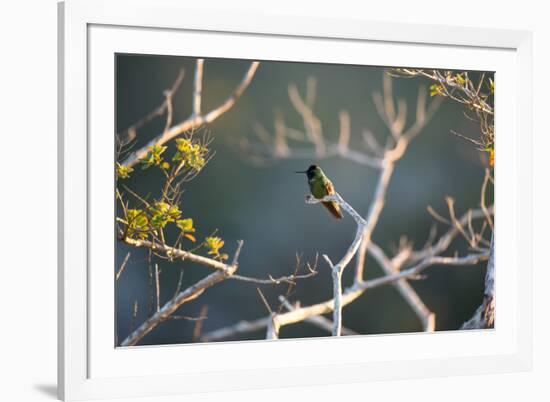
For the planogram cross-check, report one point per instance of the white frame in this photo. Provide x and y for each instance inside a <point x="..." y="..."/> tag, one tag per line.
<point x="75" y="381"/>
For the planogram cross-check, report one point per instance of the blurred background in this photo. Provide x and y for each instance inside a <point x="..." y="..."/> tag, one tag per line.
<point x="263" y="204"/>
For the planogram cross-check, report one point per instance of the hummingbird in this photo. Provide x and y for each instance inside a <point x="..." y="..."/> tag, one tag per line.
<point x="320" y="186"/>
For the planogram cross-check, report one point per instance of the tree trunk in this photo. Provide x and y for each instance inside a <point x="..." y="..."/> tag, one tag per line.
<point x="484" y="317"/>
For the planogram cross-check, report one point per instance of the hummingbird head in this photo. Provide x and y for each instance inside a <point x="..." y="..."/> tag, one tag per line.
<point x="312" y="172"/>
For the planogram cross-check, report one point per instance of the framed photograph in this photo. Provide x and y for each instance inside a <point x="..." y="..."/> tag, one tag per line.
<point x="253" y="201"/>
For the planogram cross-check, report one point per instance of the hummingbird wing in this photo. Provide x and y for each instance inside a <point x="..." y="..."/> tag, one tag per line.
<point x="332" y="206"/>
<point x="329" y="187"/>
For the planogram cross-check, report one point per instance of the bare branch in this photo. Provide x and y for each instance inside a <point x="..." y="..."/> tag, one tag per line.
<point x="318" y="321"/>
<point x="396" y="125"/>
<point x="312" y="124"/>
<point x="197" y="91"/>
<point x="484" y="317"/>
<point x="188" y="318"/>
<point x="460" y="88"/>
<point x="291" y="279"/>
<point x="405" y="265"/>
<point x="373" y="215"/>
<point x="241" y="327"/>
<point x="232" y="99"/>
<point x="436" y="216"/>
<point x="197" y="330"/>
<point x="456" y="223"/>
<point x="486" y="180"/>
<point x="176" y="253"/>
<point x="180" y="282"/>
<point x="272" y="326"/>
<point x="279" y="151"/>
<point x="337" y="295"/>
<point x="157" y="286"/>
<point x="184" y="296"/>
<point x="134" y="315"/>
<point x="159" y="111"/>
<point x="405" y="289"/>
<point x="345" y="206"/>
<point x="445" y="241"/>
<point x="195" y="121"/>
<point x="281" y="147"/>
<point x="395" y="121"/>
<point x="264" y="301"/>
<point x="358" y="289"/>
<point x="123" y="265"/>
<point x="345" y="131"/>
<point x="278" y="148"/>
<point x="169" y="110"/>
<point x="372" y="143"/>
<point x="419" y="124"/>
<point x="349" y="295"/>
<point x="338" y="269"/>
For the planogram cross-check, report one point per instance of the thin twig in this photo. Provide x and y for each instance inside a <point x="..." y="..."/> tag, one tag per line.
<point x="272" y="327"/>
<point x="405" y="289"/>
<point x="338" y="269"/>
<point x="159" y="111"/>
<point x="157" y="286"/>
<point x="180" y="282"/>
<point x="242" y="327"/>
<point x="197" y="329"/>
<point x="348" y="295"/>
<point x="123" y="265"/>
<point x="291" y="279"/>
<point x="187" y="318"/>
<point x="484" y="317"/>
<point x="486" y="180"/>
<point x="375" y="209"/>
<point x="184" y="296"/>
<point x="134" y="315"/>
<point x="337" y="296"/>
<point x="175" y="253"/>
<point x="318" y="321"/>
<point x="195" y="121"/>
<point x="445" y="240"/>
<point x="197" y="91"/>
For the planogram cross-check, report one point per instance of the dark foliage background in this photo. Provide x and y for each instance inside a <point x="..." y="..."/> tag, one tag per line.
<point x="265" y="206"/>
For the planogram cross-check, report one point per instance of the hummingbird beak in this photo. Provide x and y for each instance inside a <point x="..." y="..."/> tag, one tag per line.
<point x="301" y="172"/>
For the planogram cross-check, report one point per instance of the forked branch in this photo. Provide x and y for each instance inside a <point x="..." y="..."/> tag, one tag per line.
<point x="182" y="297"/>
<point x="338" y="269"/>
<point x="196" y="119"/>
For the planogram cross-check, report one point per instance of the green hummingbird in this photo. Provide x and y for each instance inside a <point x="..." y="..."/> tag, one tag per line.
<point x="320" y="186"/>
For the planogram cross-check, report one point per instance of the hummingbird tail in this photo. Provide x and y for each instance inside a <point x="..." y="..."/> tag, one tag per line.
<point x="334" y="209"/>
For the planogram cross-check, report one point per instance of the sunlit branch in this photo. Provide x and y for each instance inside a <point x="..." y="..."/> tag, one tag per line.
<point x="176" y="253"/>
<point x="182" y="297"/>
<point x="195" y="121"/>
<point x="349" y="295"/>
<point x="338" y="269"/>
<point x="392" y="266"/>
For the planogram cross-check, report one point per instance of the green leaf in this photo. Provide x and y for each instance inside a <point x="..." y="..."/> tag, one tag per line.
<point x="153" y="157"/>
<point x="436" y="89"/>
<point x="214" y="244"/>
<point x="185" y="225"/>
<point x="190" y="154"/>
<point x="123" y="172"/>
<point x="162" y="213"/>
<point x="138" y="223"/>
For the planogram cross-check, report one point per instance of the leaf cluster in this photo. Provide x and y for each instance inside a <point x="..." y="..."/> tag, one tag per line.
<point x="476" y="94"/>
<point x="151" y="218"/>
